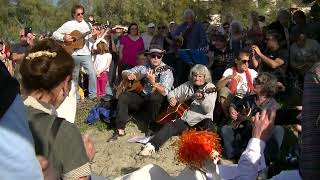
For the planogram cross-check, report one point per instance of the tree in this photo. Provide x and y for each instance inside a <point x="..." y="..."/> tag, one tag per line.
<point x="45" y="16"/>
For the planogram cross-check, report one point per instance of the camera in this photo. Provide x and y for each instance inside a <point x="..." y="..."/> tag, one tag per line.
<point x="27" y="30"/>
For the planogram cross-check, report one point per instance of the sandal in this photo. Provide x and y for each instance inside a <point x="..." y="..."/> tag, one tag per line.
<point x="115" y="136"/>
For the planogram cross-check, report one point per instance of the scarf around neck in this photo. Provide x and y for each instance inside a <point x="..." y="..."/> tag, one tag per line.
<point x="234" y="82"/>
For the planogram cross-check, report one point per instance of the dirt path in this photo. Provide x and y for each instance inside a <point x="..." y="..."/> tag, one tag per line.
<point x="120" y="157"/>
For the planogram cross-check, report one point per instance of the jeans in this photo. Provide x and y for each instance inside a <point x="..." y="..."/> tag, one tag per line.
<point x="235" y="141"/>
<point x="175" y="128"/>
<point x="108" y="89"/>
<point x="113" y="70"/>
<point x="87" y="64"/>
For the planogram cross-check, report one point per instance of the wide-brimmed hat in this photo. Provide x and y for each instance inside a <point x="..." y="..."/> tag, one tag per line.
<point x="154" y="48"/>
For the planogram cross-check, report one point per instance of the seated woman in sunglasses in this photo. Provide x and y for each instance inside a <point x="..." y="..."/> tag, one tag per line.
<point x="156" y="80"/>
<point x="236" y="82"/>
<point x="236" y="135"/>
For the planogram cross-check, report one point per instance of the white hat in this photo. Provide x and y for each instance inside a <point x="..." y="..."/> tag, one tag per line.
<point x="150" y="25"/>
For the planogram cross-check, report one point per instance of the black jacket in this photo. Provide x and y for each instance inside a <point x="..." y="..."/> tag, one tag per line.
<point x="9" y="88"/>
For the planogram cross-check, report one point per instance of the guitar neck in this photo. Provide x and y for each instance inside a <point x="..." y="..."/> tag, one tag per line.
<point x="85" y="34"/>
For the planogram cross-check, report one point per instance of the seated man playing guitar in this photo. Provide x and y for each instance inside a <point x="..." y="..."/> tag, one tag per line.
<point x="201" y="92"/>
<point x="156" y="79"/>
<point x="236" y="135"/>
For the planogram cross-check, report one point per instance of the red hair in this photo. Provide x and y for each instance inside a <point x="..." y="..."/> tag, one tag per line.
<point x="194" y="147"/>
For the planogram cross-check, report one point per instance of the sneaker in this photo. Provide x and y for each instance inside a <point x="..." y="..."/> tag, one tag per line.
<point x="147" y="150"/>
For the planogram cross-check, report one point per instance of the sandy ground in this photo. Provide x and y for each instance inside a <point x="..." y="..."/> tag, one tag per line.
<point x="120" y="157"/>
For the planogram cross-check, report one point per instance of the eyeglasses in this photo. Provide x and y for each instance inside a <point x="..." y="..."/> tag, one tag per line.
<point x="158" y="56"/>
<point x="80" y="14"/>
<point x="245" y="61"/>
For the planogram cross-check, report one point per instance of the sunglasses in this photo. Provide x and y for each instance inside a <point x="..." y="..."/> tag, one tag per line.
<point x="80" y="14"/>
<point x="158" y="56"/>
<point x="245" y="61"/>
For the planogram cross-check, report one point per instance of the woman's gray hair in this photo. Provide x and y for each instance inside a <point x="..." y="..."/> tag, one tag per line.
<point x="269" y="84"/>
<point x="188" y="12"/>
<point x="200" y="69"/>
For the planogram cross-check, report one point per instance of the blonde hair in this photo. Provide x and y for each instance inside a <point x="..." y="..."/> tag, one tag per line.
<point x="102" y="47"/>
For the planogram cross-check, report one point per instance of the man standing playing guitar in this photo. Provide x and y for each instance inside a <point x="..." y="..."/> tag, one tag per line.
<point x="81" y="56"/>
<point x="157" y="80"/>
<point x="200" y="112"/>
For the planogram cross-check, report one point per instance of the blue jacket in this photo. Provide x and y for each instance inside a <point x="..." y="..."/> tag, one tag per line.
<point x="196" y="39"/>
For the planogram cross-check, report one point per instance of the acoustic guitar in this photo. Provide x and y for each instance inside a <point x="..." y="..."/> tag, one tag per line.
<point x="136" y="85"/>
<point x="176" y="112"/>
<point x="283" y="116"/>
<point x="78" y="40"/>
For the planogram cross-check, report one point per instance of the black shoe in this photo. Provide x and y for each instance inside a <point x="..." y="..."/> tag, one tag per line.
<point x="149" y="133"/>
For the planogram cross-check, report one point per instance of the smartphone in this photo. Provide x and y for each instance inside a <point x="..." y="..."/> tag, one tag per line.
<point x="27" y="30"/>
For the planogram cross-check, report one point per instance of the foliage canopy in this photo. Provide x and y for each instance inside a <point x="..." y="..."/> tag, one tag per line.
<point x="48" y="15"/>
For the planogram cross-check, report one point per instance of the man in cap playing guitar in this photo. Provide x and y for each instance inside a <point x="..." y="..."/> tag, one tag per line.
<point x="156" y="81"/>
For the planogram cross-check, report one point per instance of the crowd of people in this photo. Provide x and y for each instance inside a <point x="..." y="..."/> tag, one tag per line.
<point x="217" y="78"/>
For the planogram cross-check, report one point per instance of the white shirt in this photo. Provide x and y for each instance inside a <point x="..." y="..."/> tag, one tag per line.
<point x="102" y="60"/>
<point x="242" y="86"/>
<point x="146" y="40"/>
<point x="70" y="26"/>
<point x="251" y="161"/>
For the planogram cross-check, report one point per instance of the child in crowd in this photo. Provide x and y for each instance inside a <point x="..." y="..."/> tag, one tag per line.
<point x="102" y="63"/>
<point x="142" y="59"/>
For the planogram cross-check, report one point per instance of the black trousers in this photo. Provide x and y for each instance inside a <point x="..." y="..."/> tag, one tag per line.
<point x="130" y="101"/>
<point x="175" y="128"/>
